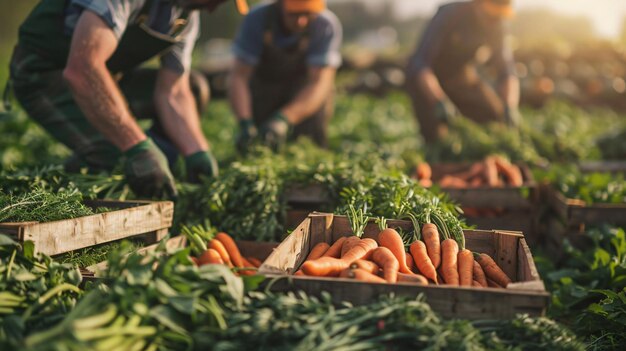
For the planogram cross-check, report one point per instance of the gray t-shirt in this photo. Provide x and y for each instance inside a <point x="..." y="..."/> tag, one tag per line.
<point x="325" y="34"/>
<point x="119" y="13"/>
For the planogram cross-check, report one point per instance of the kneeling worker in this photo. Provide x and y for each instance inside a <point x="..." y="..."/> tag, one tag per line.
<point x="282" y="81"/>
<point x="461" y="37"/>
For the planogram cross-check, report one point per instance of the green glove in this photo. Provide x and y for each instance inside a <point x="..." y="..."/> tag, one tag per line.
<point x="443" y="111"/>
<point x="511" y="116"/>
<point x="247" y="133"/>
<point x="201" y="163"/>
<point x="274" y="132"/>
<point x="147" y="171"/>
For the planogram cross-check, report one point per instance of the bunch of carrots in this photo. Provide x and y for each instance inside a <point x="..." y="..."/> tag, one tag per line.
<point x="493" y="171"/>
<point x="384" y="260"/>
<point x="222" y="249"/>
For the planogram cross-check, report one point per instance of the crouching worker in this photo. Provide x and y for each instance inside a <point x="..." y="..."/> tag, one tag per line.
<point x="282" y="81"/>
<point x="74" y="70"/>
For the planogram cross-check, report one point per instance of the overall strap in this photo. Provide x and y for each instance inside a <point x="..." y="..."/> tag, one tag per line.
<point x="272" y="18"/>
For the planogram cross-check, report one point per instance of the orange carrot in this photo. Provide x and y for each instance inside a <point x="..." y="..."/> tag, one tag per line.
<point x="491" y="172"/>
<point x="412" y="278"/>
<point x="450" y="181"/>
<point x="430" y="235"/>
<point x="410" y="263"/>
<point x="255" y="261"/>
<point x="299" y="272"/>
<point x="423" y="171"/>
<point x="477" y="284"/>
<point x="246" y="263"/>
<point x="510" y="171"/>
<point x="329" y="266"/>
<point x="362" y="275"/>
<point x="390" y="239"/>
<point x="492" y="284"/>
<point x="426" y="183"/>
<point x="335" y="249"/>
<point x="210" y="256"/>
<point x="195" y="261"/>
<point x="422" y="261"/>
<point x="492" y="270"/>
<point x="385" y="259"/>
<point x="449" y="269"/>
<point x="219" y="247"/>
<point x="465" y="260"/>
<point x="349" y="243"/>
<point x="478" y="275"/>
<point x="365" y="265"/>
<point x="317" y="251"/>
<point x="231" y="247"/>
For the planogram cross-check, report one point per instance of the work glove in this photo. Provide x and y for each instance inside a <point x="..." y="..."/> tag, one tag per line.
<point x="247" y="133"/>
<point x="147" y="171"/>
<point x="275" y="131"/>
<point x="201" y="163"/>
<point x="444" y="112"/>
<point x="511" y="116"/>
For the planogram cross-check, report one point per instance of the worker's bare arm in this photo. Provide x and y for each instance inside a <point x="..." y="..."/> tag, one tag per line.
<point x="239" y="90"/>
<point x="310" y="99"/>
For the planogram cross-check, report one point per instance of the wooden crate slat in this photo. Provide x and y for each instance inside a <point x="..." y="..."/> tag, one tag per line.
<point x="293" y="254"/>
<point x="135" y="218"/>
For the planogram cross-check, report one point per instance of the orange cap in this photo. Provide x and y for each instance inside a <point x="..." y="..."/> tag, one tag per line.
<point x="314" y="6"/>
<point x="498" y="8"/>
<point x="242" y="7"/>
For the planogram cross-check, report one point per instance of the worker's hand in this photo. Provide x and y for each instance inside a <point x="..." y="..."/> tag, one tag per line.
<point x="274" y="132"/>
<point x="147" y="171"/>
<point x="247" y="133"/>
<point x="444" y="111"/>
<point x="201" y="163"/>
<point x="512" y="116"/>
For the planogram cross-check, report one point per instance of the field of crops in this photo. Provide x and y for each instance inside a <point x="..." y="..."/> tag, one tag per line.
<point x="163" y="300"/>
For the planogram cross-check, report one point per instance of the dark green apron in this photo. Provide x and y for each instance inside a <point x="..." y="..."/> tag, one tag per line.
<point x="39" y="86"/>
<point x="279" y="76"/>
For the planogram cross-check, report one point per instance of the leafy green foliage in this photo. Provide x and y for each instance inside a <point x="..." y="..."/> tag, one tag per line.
<point x="35" y="291"/>
<point x="42" y="206"/>
<point x="589" y="187"/>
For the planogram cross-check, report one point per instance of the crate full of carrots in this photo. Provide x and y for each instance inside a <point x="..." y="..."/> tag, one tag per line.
<point x="475" y="274"/>
<point x="493" y="192"/>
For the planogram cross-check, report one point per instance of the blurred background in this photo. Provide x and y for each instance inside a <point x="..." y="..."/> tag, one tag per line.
<point x="570" y="50"/>
<point x="569" y="54"/>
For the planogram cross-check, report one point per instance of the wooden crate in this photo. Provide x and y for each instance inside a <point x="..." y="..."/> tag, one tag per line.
<point x="526" y="295"/>
<point x="576" y="213"/>
<point x="127" y="219"/>
<point x="256" y="249"/>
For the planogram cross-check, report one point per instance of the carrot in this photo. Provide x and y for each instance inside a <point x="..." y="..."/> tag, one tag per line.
<point x="510" y="171"/>
<point x="422" y="261"/>
<point x="335" y="249"/>
<point x="390" y="239"/>
<point x="365" y="265"/>
<point x="426" y="183"/>
<point x="299" y="272"/>
<point x="492" y="284"/>
<point x="430" y="235"/>
<point x="476" y="171"/>
<point x="231" y="248"/>
<point x="385" y="259"/>
<point x="317" y="251"/>
<point x="465" y="261"/>
<point x="255" y="261"/>
<point x="423" y="171"/>
<point x="246" y="263"/>
<point x="440" y="277"/>
<point x="412" y="278"/>
<point x="410" y="263"/>
<point x="492" y="270"/>
<point x="491" y="172"/>
<point x="195" y="261"/>
<point x="329" y="266"/>
<point x="362" y="275"/>
<point x="478" y="274"/>
<point x="210" y="256"/>
<point x="219" y="247"/>
<point x="449" y="269"/>
<point x="450" y="181"/>
<point x="477" y="284"/>
<point x="349" y="243"/>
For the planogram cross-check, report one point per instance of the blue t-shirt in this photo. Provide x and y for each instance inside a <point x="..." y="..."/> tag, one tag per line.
<point x="325" y="35"/>
<point x="117" y="14"/>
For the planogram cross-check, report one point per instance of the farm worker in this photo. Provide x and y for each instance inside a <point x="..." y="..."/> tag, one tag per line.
<point x="282" y="81"/>
<point x="73" y="71"/>
<point x="443" y="70"/>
